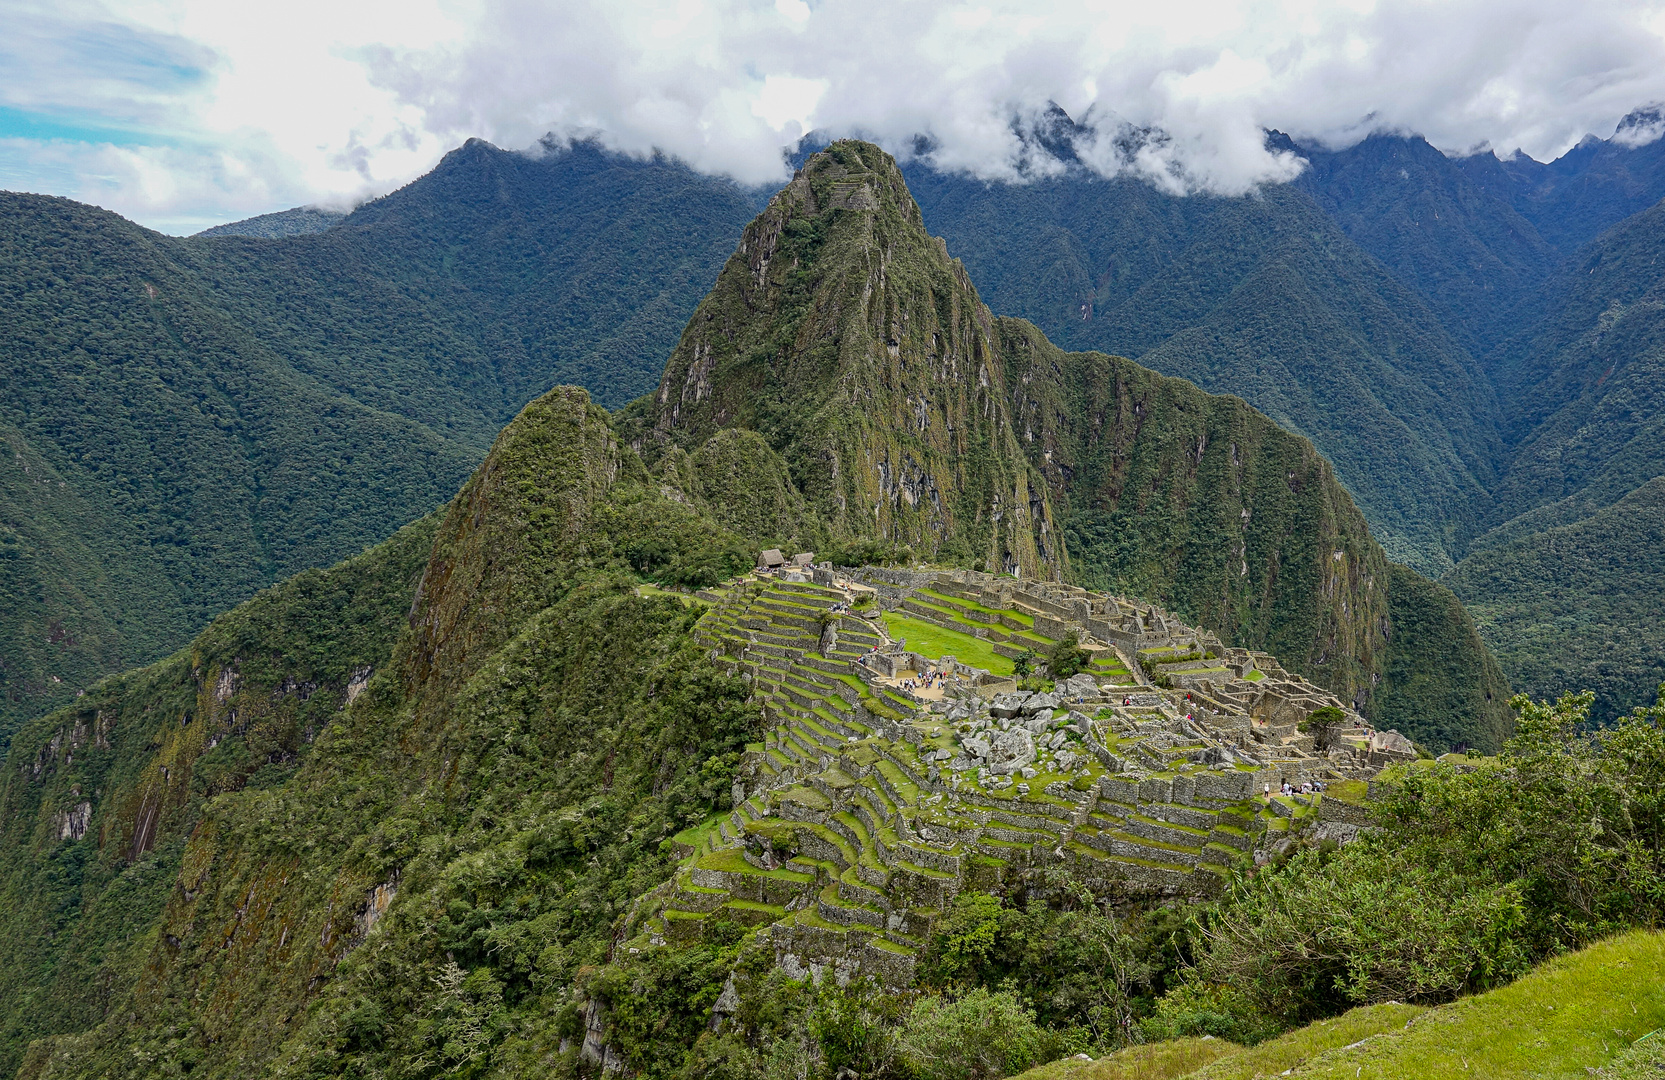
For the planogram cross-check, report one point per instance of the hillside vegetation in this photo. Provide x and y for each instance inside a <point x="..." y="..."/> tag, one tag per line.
<point x="1262" y="297"/>
<point x="1562" y="581"/>
<point x="1577" y="1015"/>
<point x="220" y="412"/>
<point x="392" y="818"/>
<point x="387" y="820"/>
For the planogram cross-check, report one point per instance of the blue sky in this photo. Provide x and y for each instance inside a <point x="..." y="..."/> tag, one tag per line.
<point x="185" y="113"/>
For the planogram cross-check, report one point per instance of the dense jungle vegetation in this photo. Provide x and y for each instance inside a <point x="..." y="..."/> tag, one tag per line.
<point x="188" y="421"/>
<point x="390" y="819"/>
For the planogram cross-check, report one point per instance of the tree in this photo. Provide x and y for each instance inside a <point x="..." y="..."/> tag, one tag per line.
<point x="1322" y="725"/>
<point x="982" y="1036"/>
<point x="1067" y="657"/>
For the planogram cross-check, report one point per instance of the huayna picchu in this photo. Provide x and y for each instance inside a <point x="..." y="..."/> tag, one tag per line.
<point x="416" y="815"/>
<point x="892" y="777"/>
<point x="849" y="355"/>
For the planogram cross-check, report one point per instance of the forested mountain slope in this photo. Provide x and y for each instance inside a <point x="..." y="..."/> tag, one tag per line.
<point x="1471" y="256"/>
<point x="1264" y="297"/>
<point x="193" y="464"/>
<point x="845" y="336"/>
<point x="223" y="411"/>
<point x="443" y="307"/>
<point x="1428" y="330"/>
<point x="299" y="221"/>
<point x="382" y="816"/>
<point x="1567" y="579"/>
<point x="1587" y="190"/>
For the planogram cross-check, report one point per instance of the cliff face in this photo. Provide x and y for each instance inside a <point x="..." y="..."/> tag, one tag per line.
<point x="1201" y="502"/>
<point x="844" y="334"/>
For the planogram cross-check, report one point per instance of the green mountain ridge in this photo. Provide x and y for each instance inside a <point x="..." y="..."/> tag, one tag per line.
<point x="205" y="466"/>
<point x="227" y="410"/>
<point x="386" y="816"/>
<point x="448" y="304"/>
<point x="1263" y="297"/>
<point x="845" y="335"/>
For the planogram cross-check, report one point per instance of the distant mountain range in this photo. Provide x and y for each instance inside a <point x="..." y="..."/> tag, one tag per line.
<point x="188" y="420"/>
<point x="1466" y="340"/>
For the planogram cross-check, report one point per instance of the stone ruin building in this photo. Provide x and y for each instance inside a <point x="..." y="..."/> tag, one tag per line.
<point x="890" y="780"/>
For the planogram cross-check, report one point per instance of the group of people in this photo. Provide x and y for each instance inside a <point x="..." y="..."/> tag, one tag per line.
<point x="931" y="680"/>
<point x="1308" y="787"/>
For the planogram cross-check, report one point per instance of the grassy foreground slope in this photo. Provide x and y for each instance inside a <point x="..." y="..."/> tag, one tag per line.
<point x="1568" y="1018"/>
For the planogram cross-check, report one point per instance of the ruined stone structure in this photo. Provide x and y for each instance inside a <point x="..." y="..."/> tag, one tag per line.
<point x="890" y="780"/>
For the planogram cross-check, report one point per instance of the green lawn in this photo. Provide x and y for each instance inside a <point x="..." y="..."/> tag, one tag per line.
<point x="1154" y="1061"/>
<point x="935" y="642"/>
<point x="645" y="590"/>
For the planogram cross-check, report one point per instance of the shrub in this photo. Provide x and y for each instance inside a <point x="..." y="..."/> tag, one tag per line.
<point x="982" y="1036"/>
<point x="1196" y="1009"/>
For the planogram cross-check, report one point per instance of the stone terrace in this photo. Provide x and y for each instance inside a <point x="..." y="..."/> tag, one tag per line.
<point x="866" y="808"/>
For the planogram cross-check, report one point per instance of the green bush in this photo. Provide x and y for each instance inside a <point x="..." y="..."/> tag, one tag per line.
<point x="870" y="552"/>
<point x="1194" y="1009"/>
<point x="982" y="1036"/>
<point x="1475" y="875"/>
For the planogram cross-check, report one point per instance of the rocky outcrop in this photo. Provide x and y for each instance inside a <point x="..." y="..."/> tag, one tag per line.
<point x="842" y="332"/>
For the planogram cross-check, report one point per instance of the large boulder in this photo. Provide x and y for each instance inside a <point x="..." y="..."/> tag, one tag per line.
<point x="1009" y="705"/>
<point x="1011" y="750"/>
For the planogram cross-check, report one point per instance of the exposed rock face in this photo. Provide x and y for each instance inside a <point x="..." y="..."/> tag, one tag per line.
<point x="1011" y="750"/>
<point x="844" y="334"/>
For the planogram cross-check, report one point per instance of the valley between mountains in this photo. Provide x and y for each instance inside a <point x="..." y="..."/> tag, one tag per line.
<point x="573" y="616"/>
<point x="1082" y="686"/>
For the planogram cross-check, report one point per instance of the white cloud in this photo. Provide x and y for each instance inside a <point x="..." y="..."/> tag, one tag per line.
<point x="257" y="107"/>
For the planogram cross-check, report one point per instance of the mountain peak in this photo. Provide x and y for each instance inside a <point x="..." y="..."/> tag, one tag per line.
<point x="854" y="176"/>
<point x="844" y="334"/>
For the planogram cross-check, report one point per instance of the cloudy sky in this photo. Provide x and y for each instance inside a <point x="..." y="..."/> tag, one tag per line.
<point x="185" y="113"/>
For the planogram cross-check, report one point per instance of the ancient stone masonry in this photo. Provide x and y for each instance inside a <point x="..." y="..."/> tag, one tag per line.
<point x="891" y="780"/>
